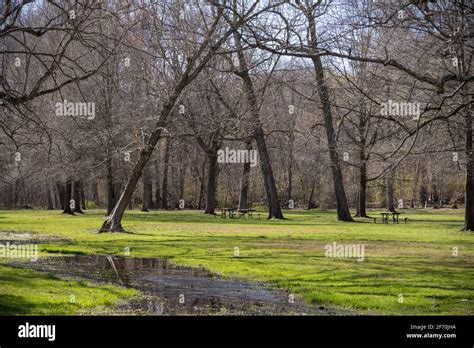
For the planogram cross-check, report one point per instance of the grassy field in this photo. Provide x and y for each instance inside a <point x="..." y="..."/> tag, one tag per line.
<point x="414" y="259"/>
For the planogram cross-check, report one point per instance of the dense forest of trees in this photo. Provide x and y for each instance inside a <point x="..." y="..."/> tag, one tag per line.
<point x="132" y="103"/>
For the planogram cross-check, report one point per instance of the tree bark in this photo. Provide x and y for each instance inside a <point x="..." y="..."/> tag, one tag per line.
<point x="244" y="183"/>
<point x="390" y="204"/>
<point x="164" y="189"/>
<point x="67" y="198"/>
<point x="343" y="213"/>
<point x="95" y="193"/>
<point x="77" y="197"/>
<point x="157" y="184"/>
<point x="110" y="186"/>
<point x="62" y="194"/>
<point x="83" y="196"/>
<point x="361" y="197"/>
<point x="363" y="158"/>
<point x="182" y="180"/>
<point x="147" y="201"/>
<point x="274" y="208"/>
<point x="311" y="203"/>
<point x="202" y="186"/>
<point x="212" y="172"/>
<point x="416" y="172"/>
<point x="469" y="201"/>
<point x="49" y="198"/>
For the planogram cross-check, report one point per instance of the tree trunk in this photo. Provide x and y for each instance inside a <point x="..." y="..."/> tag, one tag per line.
<point x="289" y="191"/>
<point x="164" y="189"/>
<point x="83" y="196"/>
<point x="212" y="172"/>
<point x="49" y="198"/>
<point x="343" y="213"/>
<point x="110" y="186"/>
<point x="202" y="185"/>
<point x="157" y="183"/>
<point x="114" y="222"/>
<point x="363" y="158"/>
<point x="95" y="193"/>
<point x="147" y="201"/>
<point x="469" y="206"/>
<point x="244" y="184"/>
<point x="67" y="198"/>
<point x="182" y="180"/>
<point x="361" y="197"/>
<point x="415" y="184"/>
<point x="77" y="197"/>
<point x="62" y="194"/>
<point x="57" y="204"/>
<point x="311" y="195"/>
<point x="274" y="208"/>
<point x="390" y="204"/>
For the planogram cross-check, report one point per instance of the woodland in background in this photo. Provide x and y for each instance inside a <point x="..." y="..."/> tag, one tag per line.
<point x="173" y="82"/>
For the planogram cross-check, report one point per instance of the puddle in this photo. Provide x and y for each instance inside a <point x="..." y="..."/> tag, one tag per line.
<point x="169" y="289"/>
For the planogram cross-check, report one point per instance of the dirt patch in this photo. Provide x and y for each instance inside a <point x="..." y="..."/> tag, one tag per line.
<point x="169" y="289"/>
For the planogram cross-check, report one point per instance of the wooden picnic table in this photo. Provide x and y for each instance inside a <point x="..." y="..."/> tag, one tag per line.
<point x="394" y="215"/>
<point x="224" y="212"/>
<point x="245" y="212"/>
<point x="232" y="211"/>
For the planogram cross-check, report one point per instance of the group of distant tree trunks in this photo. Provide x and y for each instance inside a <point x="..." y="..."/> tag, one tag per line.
<point x="174" y="84"/>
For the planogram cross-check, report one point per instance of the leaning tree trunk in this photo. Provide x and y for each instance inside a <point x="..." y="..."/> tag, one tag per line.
<point x="343" y="213"/>
<point x="67" y="198"/>
<point x="113" y="223"/>
<point x="274" y="208"/>
<point x="212" y="172"/>
<point x="244" y="184"/>
<point x="77" y="197"/>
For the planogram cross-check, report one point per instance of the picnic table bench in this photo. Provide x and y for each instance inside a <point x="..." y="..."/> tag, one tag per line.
<point x="395" y="216"/>
<point x="225" y="211"/>
<point x="231" y="212"/>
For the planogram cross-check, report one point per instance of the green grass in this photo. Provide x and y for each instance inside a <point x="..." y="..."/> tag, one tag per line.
<point x="415" y="260"/>
<point x="26" y="292"/>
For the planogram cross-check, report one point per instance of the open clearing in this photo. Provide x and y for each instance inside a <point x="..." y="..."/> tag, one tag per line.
<point x="407" y="268"/>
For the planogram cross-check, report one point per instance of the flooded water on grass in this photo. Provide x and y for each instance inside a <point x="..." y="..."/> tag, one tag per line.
<point x="169" y="289"/>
